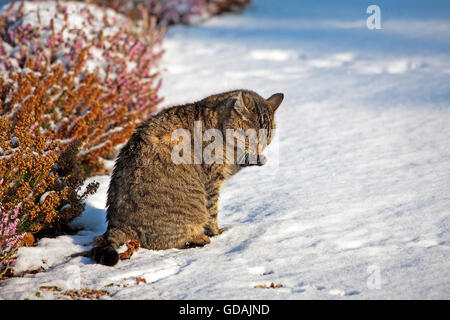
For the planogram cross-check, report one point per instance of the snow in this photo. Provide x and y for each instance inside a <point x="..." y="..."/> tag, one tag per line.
<point x="354" y="202"/>
<point x="43" y="12"/>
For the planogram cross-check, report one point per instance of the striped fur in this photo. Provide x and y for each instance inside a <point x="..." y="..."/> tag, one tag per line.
<point x="164" y="205"/>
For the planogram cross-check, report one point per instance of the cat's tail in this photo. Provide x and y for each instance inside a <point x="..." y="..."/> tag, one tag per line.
<point x="103" y="252"/>
<point x="104" y="248"/>
<point x="107" y="255"/>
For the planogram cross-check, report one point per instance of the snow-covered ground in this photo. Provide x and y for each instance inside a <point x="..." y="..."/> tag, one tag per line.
<point x="355" y="200"/>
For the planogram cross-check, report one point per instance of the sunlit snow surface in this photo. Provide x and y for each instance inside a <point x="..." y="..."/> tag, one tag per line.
<point x="355" y="200"/>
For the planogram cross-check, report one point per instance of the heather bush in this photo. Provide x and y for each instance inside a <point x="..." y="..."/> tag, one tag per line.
<point x="175" y="11"/>
<point x="115" y="57"/>
<point x="39" y="168"/>
<point x="39" y="185"/>
<point x="9" y="237"/>
<point x="75" y="80"/>
<point x="220" y="6"/>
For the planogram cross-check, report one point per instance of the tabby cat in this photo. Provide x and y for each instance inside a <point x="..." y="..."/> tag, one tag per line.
<point x="162" y="204"/>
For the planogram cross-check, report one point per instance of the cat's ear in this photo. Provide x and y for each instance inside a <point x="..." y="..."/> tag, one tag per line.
<point x="275" y="100"/>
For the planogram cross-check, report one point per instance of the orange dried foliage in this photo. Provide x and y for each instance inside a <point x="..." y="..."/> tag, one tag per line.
<point x="69" y="112"/>
<point x="140" y="280"/>
<point x="132" y="246"/>
<point x="27" y="240"/>
<point x="44" y="119"/>
<point x="271" y="286"/>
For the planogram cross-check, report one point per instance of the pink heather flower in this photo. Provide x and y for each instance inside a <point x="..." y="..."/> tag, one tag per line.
<point x="8" y="229"/>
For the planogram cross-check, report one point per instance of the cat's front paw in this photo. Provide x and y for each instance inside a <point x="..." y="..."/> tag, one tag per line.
<point x="198" y="241"/>
<point x="250" y="160"/>
<point x="215" y="232"/>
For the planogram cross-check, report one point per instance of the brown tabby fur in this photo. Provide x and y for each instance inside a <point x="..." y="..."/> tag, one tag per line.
<point x="165" y="205"/>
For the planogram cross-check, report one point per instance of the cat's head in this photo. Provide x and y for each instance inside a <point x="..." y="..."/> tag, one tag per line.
<point x="251" y="111"/>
